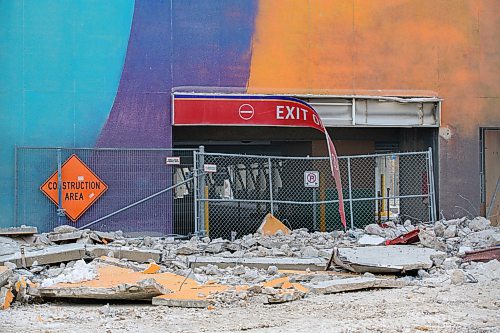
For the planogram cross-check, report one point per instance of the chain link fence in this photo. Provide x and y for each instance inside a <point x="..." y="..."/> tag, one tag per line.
<point x="235" y="192"/>
<point x="131" y="175"/>
<point x="151" y="191"/>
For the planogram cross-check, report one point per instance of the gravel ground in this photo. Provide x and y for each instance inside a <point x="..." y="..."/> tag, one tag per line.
<point x="472" y="307"/>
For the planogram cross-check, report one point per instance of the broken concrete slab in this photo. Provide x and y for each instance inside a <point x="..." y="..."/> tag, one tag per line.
<point x="5" y="274"/>
<point x="105" y="237"/>
<point x="313" y="264"/>
<point x="49" y="255"/>
<point x="67" y="236"/>
<point x="141" y="290"/>
<point x="8" y="246"/>
<point x="18" y="231"/>
<point x="114" y="282"/>
<point x="271" y="226"/>
<point x="371" y="240"/>
<point x="351" y="284"/>
<point x="119" y="252"/>
<point x="384" y="259"/>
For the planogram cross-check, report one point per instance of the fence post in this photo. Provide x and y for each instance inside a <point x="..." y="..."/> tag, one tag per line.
<point x="350" y="190"/>
<point x="432" y="192"/>
<point x="195" y="190"/>
<point x="270" y="185"/>
<point x="201" y="192"/>
<point x="60" y="209"/>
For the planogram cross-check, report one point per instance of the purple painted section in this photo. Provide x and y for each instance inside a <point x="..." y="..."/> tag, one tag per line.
<point x="140" y="113"/>
<point x="204" y="43"/>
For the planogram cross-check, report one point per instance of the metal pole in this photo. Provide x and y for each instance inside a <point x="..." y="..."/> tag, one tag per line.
<point x="195" y="190"/>
<point x="388" y="196"/>
<point x="270" y="184"/>
<point x="60" y="209"/>
<point x="350" y="190"/>
<point x="315" y="220"/>
<point x="432" y="198"/>
<point x="201" y="190"/>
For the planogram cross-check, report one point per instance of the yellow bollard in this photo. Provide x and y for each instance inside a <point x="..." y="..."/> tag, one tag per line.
<point x="207" y="223"/>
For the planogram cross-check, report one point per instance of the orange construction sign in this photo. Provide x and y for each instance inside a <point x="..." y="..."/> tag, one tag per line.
<point x="80" y="187"/>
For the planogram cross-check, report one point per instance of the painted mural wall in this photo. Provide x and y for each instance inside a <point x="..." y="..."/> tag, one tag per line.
<point x="88" y="73"/>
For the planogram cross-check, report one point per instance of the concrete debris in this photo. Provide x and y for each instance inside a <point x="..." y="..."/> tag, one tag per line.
<point x="371" y="240"/>
<point x="384" y="259"/>
<point x="8" y="246"/>
<point x="270" y="266"/>
<point x="260" y="262"/>
<point x="45" y="256"/>
<point x="355" y="283"/>
<point x="133" y="254"/>
<point x="272" y="226"/>
<point x="5" y="274"/>
<point x="114" y="282"/>
<point x="18" y="231"/>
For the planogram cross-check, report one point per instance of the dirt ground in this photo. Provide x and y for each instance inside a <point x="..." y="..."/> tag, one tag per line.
<point x="472" y="307"/>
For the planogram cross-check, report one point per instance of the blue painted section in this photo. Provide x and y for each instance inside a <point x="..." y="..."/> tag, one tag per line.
<point x="61" y="63"/>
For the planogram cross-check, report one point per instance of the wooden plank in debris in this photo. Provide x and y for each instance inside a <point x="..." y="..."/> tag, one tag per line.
<point x="483" y="255"/>
<point x="384" y="259"/>
<point x="18" y="231"/>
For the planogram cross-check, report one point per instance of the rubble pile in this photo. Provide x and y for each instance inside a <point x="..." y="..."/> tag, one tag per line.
<point x="265" y="267"/>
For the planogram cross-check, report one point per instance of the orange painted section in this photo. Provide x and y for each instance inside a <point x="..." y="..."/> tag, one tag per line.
<point x="109" y="276"/>
<point x="271" y="225"/>
<point x="331" y="46"/>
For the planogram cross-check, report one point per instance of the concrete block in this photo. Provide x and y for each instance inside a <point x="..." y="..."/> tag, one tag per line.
<point x="180" y="303"/>
<point x="48" y="255"/>
<point x="313" y="264"/>
<point x="68" y="236"/>
<point x="5" y="274"/>
<point x="15" y="231"/>
<point x="352" y="284"/>
<point x="384" y="259"/>
<point x="138" y="255"/>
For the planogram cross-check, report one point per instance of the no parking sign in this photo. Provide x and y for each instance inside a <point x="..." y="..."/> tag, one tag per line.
<point x="311" y="178"/>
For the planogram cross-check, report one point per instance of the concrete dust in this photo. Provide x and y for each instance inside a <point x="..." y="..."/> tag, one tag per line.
<point x="467" y="308"/>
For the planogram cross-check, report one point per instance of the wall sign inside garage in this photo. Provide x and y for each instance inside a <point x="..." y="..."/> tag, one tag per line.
<point x="311" y="178"/>
<point x="81" y="187"/>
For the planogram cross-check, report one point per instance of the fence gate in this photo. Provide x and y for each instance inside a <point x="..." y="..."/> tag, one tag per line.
<point x="235" y="192"/>
<point x="131" y="175"/>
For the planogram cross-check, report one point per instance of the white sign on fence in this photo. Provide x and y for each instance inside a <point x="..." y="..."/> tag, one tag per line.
<point x="311" y="178"/>
<point x="175" y="160"/>
<point x="210" y="168"/>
